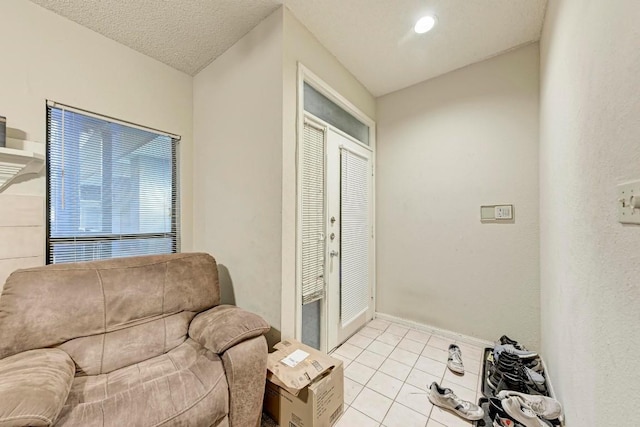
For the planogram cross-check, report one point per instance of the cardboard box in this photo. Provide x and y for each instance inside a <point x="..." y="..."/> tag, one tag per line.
<point x="308" y="394"/>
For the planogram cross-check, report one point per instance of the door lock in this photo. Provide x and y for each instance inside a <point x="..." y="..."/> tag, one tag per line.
<point x="334" y="253"/>
<point x="332" y="236"/>
<point x="333" y="220"/>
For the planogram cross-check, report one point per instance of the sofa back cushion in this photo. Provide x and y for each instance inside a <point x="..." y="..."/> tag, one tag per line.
<point x="107" y="314"/>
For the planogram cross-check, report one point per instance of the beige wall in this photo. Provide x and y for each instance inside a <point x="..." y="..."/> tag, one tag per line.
<point x="445" y="147"/>
<point x="238" y="168"/>
<point x="45" y="56"/>
<point x="590" y="141"/>
<point x="245" y="110"/>
<point x="21" y="233"/>
<point x="300" y="46"/>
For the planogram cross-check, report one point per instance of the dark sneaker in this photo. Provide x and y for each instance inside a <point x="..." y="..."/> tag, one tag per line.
<point x="513" y="382"/>
<point x="508" y="359"/>
<point x="506" y="340"/>
<point x="505" y="356"/>
<point x="495" y="408"/>
<point x="535" y="365"/>
<point x="533" y="380"/>
<point x="509" y="348"/>
<point x="454" y="363"/>
<point x="509" y="363"/>
<point x="494" y="377"/>
<point x="536" y="377"/>
<point x="445" y="398"/>
<point x="506" y="363"/>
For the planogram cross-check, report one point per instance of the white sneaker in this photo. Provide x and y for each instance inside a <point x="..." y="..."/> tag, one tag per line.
<point x="542" y="406"/>
<point x="446" y="399"/>
<point x="454" y="363"/>
<point x="520" y="412"/>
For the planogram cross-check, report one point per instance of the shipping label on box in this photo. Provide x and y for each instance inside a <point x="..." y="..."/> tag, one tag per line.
<point x="294" y="365"/>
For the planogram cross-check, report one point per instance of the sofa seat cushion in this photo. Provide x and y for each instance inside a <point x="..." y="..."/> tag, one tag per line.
<point x="186" y="386"/>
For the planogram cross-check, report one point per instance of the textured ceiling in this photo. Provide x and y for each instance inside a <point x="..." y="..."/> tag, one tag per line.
<point x="185" y="34"/>
<point x="374" y="39"/>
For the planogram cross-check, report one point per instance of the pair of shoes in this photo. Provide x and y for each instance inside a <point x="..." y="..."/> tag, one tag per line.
<point x="498" y="349"/>
<point x="543" y="406"/>
<point x="519" y="410"/>
<point x="512" y="365"/>
<point x="534" y="364"/>
<point x="513" y="409"/>
<point x="518" y="350"/>
<point x="445" y="398"/>
<point x="520" y="382"/>
<point x="454" y="363"/>
<point x="504" y="340"/>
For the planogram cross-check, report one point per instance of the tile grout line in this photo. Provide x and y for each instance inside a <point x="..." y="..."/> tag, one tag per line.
<point x="412" y="367"/>
<point x="403" y="383"/>
<point x="357" y="410"/>
<point x="394" y="399"/>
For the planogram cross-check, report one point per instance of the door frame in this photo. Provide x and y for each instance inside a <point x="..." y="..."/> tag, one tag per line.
<point x="307" y="76"/>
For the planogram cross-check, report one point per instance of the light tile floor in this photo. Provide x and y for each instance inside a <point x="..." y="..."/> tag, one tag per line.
<point x="388" y="369"/>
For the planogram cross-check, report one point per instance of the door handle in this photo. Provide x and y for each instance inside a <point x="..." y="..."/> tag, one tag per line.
<point x="334" y="253"/>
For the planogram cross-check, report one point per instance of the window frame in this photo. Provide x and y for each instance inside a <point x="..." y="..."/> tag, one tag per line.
<point x="174" y="234"/>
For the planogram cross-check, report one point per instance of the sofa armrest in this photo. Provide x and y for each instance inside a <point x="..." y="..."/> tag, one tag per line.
<point x="224" y="326"/>
<point x="245" y="365"/>
<point x="34" y="386"/>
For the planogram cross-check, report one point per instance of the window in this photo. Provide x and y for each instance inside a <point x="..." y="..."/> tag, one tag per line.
<point x="327" y="110"/>
<point x="111" y="188"/>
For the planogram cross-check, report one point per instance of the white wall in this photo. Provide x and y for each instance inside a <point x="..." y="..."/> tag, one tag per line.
<point x="238" y="168"/>
<point x="445" y="147"/>
<point x="300" y="46"/>
<point x="45" y="56"/>
<point x="590" y="141"/>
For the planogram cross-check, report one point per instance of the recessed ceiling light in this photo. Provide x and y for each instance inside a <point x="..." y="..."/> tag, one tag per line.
<point x="424" y="24"/>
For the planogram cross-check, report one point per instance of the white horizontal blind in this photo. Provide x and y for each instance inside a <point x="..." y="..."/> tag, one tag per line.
<point x="313" y="215"/>
<point x="354" y="242"/>
<point x="111" y="189"/>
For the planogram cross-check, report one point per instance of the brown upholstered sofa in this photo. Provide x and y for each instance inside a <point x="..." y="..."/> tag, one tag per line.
<point x="128" y="342"/>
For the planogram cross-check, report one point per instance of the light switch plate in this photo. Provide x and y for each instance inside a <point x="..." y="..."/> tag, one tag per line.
<point x="504" y="212"/>
<point x="629" y="202"/>
<point x="496" y="213"/>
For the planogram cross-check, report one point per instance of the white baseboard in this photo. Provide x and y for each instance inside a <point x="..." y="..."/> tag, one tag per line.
<point x="460" y="338"/>
<point x="432" y="329"/>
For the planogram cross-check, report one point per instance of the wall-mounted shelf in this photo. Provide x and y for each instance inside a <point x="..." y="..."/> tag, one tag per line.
<point x="14" y="163"/>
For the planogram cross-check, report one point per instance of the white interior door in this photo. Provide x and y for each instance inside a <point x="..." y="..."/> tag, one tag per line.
<point x="349" y="242"/>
